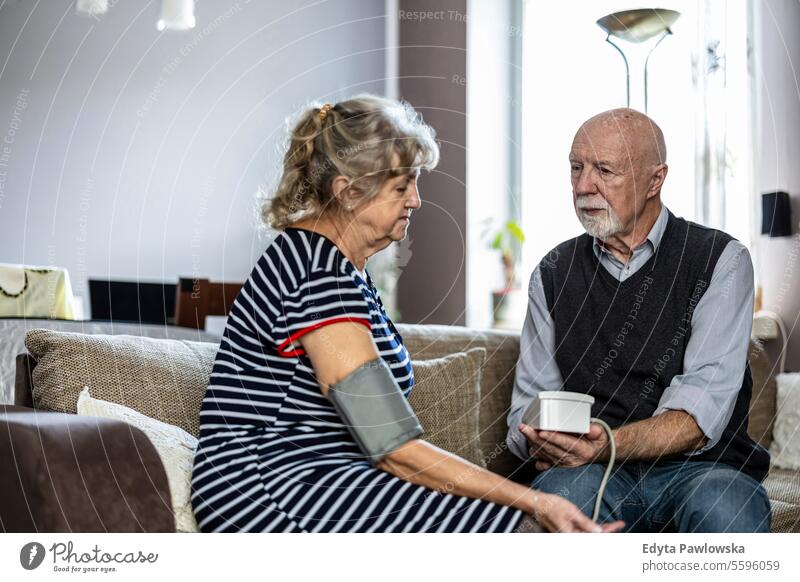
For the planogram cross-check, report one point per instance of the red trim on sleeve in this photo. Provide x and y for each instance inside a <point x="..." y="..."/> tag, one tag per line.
<point x="304" y="331"/>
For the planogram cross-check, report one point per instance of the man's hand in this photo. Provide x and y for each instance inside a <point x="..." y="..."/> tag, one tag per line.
<point x="551" y="448"/>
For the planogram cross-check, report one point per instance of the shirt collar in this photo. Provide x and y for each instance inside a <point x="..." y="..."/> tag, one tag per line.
<point x="653" y="237"/>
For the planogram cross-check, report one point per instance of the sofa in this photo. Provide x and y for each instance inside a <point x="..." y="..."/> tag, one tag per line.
<point x="63" y="472"/>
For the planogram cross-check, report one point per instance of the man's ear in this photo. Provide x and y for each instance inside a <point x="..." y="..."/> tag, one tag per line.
<point x="657" y="180"/>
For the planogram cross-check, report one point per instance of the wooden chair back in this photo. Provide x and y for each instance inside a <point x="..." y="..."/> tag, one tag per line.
<point x="195" y="299"/>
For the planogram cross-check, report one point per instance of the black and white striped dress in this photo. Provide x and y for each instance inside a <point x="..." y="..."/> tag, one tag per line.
<point x="273" y="455"/>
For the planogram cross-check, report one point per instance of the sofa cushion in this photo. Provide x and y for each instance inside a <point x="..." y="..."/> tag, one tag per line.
<point x="162" y="379"/>
<point x="762" y="402"/>
<point x="12" y="340"/>
<point x="497" y="381"/>
<point x="446" y="398"/>
<point x="785" y="449"/>
<point x="174" y="445"/>
<point x="783" y="485"/>
<point x="783" y="490"/>
<point x="785" y="517"/>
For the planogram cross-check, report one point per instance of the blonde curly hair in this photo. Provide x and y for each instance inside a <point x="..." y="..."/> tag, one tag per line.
<point x="357" y="138"/>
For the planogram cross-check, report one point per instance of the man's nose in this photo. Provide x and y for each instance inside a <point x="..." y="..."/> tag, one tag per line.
<point x="585" y="184"/>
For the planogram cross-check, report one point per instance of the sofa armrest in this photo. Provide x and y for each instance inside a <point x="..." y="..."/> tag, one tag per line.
<point x="68" y="473"/>
<point x="23" y="381"/>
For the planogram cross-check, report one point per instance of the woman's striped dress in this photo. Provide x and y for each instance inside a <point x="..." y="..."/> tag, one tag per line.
<point x="273" y="454"/>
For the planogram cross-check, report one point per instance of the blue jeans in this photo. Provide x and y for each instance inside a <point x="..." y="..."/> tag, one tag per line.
<point x="692" y="496"/>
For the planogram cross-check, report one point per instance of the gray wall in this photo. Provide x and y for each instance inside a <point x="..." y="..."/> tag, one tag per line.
<point x="133" y="153"/>
<point x="778" y="161"/>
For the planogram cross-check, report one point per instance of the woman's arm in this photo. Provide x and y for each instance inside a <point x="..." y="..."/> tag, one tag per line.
<point x="337" y="350"/>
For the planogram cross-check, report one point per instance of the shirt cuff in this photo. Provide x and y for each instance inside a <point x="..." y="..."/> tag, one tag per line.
<point x="516" y="441"/>
<point x="696" y="402"/>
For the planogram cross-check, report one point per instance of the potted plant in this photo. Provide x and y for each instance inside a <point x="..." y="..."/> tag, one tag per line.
<point x="508" y="303"/>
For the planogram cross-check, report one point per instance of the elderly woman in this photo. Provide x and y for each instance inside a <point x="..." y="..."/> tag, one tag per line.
<point x="277" y="452"/>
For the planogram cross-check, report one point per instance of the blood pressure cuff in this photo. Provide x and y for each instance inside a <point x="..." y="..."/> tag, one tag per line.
<point x="376" y="412"/>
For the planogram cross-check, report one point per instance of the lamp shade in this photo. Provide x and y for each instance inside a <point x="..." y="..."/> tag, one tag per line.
<point x="776" y="214"/>
<point x="638" y="25"/>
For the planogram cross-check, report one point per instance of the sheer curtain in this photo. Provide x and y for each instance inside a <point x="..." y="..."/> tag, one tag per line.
<point x="724" y="93"/>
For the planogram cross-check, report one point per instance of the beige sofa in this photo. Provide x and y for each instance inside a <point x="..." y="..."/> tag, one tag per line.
<point x="424" y="343"/>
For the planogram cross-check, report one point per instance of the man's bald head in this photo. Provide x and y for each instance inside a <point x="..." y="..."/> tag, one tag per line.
<point x="641" y="137"/>
<point x="618" y="166"/>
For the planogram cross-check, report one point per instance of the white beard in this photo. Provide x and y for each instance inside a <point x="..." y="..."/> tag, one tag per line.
<point x="599" y="226"/>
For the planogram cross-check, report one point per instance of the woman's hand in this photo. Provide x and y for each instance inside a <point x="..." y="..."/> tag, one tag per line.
<point x="557" y="514"/>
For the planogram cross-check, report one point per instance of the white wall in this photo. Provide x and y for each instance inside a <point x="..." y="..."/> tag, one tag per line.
<point x="131" y="153"/>
<point x="778" y="53"/>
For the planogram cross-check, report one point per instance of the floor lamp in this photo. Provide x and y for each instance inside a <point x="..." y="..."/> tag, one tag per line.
<point x="637" y="27"/>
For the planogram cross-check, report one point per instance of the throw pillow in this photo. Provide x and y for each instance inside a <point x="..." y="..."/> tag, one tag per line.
<point x="175" y="446"/>
<point x="762" y="402"/>
<point x="162" y="379"/>
<point x="785" y="448"/>
<point x="446" y="398"/>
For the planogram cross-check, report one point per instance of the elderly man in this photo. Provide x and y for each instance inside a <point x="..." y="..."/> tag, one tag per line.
<point x="651" y="315"/>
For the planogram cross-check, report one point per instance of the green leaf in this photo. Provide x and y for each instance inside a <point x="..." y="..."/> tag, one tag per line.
<point x="515" y="230"/>
<point x="497" y="242"/>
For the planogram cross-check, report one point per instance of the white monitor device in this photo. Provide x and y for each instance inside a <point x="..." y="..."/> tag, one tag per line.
<point x="560" y="411"/>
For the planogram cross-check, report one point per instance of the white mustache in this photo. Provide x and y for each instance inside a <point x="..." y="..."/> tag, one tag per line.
<point x="584" y="204"/>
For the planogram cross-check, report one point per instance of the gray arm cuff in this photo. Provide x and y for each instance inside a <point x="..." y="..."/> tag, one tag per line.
<point x="374" y="409"/>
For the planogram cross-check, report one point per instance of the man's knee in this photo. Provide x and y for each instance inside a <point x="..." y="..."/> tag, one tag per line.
<point x="725" y="501"/>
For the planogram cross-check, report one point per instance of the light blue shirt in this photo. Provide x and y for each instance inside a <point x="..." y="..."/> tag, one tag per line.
<point x="715" y="357"/>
